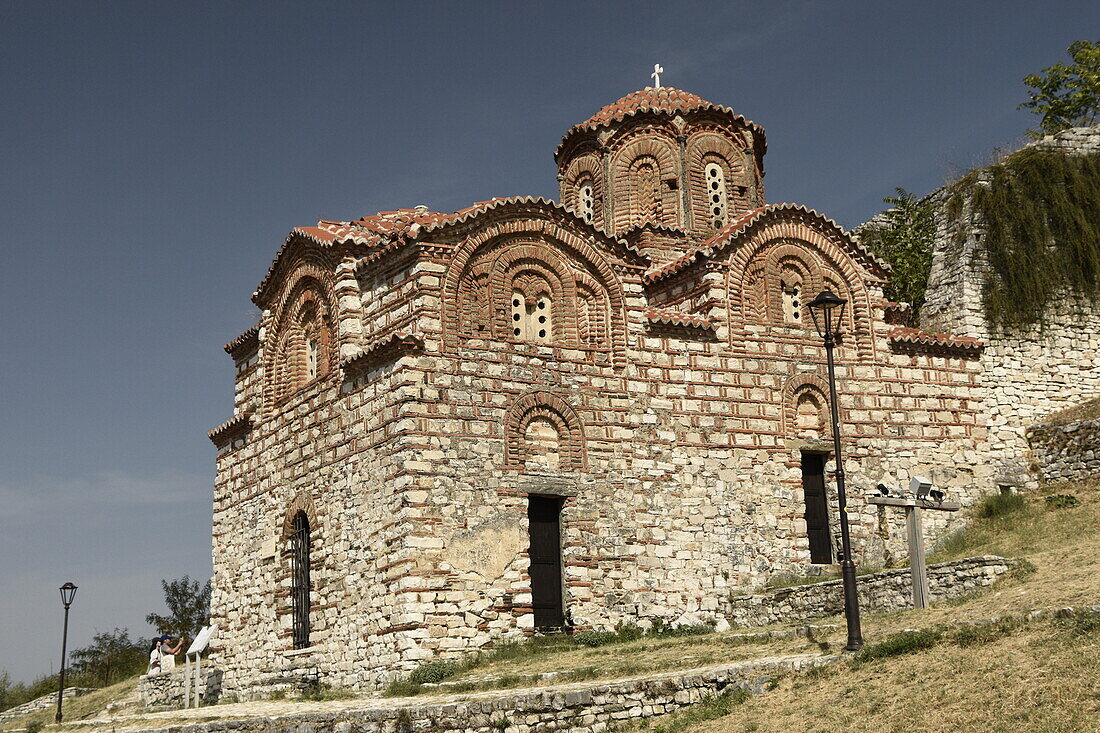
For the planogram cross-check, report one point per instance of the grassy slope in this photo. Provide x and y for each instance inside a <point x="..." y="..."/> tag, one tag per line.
<point x="1042" y="677"/>
<point x="79" y="708"/>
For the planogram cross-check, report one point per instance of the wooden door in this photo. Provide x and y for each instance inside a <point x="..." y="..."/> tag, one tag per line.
<point x="817" y="508"/>
<point x="544" y="519"/>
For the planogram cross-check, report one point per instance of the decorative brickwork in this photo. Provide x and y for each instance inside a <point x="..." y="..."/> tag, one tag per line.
<point x="543" y="431"/>
<point x="661" y="381"/>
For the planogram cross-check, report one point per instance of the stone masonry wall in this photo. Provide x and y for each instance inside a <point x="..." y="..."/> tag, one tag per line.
<point x="1026" y="374"/>
<point x="45" y="702"/>
<point x="677" y="453"/>
<point x="891" y="590"/>
<point x="1069" y="452"/>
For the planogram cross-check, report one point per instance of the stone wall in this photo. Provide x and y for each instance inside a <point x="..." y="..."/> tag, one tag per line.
<point x="891" y="590"/>
<point x="45" y="702"/>
<point x="1027" y="374"/>
<point x="166" y="690"/>
<point x="1069" y="452"/>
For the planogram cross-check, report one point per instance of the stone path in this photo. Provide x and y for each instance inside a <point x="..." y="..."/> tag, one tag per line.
<point x="579" y="706"/>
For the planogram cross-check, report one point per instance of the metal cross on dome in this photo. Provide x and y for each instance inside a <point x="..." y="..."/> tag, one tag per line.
<point x="657" y="71"/>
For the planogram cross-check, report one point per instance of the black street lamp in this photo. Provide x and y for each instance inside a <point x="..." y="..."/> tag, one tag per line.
<point x="831" y="307"/>
<point x="68" y="592"/>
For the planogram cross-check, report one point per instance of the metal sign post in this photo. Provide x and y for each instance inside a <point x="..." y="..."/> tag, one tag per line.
<point x="913" y="516"/>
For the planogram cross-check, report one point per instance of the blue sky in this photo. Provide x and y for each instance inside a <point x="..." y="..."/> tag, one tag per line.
<point x="156" y="154"/>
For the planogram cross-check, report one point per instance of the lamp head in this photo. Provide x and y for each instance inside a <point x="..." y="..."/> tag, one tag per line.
<point x="920" y="486"/>
<point x="831" y="307"/>
<point x="68" y="592"/>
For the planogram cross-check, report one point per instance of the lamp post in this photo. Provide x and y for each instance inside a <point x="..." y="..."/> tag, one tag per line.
<point x="828" y="304"/>
<point x="68" y="592"/>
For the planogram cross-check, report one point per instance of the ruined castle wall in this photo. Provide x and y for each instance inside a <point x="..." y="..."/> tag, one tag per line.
<point x="1027" y="374"/>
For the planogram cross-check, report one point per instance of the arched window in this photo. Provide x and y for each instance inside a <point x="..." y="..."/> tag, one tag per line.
<point x="532" y="317"/>
<point x="586" y="201"/>
<point x="715" y="179"/>
<point x="299" y="580"/>
<point x="791" y="285"/>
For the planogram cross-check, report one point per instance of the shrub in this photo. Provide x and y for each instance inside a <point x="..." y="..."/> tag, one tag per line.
<point x="1083" y="623"/>
<point x="1022" y="569"/>
<point x="1001" y="505"/>
<point x="34" y="726"/>
<point x="432" y="672"/>
<point x="1062" y="501"/>
<point x="906" y="642"/>
<point x="973" y="635"/>
<point x="595" y="638"/>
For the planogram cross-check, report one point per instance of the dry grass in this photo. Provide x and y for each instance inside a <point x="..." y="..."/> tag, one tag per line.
<point x="78" y="708"/>
<point x="1041" y="678"/>
<point x="1085" y="411"/>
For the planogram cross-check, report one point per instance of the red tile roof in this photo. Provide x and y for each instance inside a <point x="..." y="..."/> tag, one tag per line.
<point x="247" y="339"/>
<point x="383" y="349"/>
<point x="236" y="425"/>
<point x="666" y="100"/>
<point x="920" y="337"/>
<point x="738" y="226"/>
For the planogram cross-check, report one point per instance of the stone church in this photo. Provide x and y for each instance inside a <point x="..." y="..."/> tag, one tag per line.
<point x="456" y="427"/>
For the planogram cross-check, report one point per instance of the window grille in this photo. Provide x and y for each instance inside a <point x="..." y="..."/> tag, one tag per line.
<point x="587" y="202"/>
<point x="716" y="192"/>
<point x="300" y="585"/>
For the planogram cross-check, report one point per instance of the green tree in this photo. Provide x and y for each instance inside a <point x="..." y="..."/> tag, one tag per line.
<point x="904" y="240"/>
<point x="188" y="607"/>
<point x="112" y="656"/>
<point x="1067" y="96"/>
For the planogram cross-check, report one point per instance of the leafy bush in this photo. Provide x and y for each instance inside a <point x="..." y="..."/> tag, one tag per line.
<point x="432" y="672"/>
<point x="1082" y="623"/>
<point x="595" y="638"/>
<point x="906" y="642"/>
<point x="905" y="241"/>
<point x="1062" y="501"/>
<point x="34" y="726"/>
<point x="1001" y="505"/>
<point x="1022" y="569"/>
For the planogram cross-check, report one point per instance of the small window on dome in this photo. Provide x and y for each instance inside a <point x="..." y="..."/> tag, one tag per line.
<point x="715" y="179"/>
<point x="586" y="201"/>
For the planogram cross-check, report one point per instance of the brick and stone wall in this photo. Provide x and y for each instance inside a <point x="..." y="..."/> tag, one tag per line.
<point x="891" y="590"/>
<point x="1027" y="374"/>
<point x="1069" y="452"/>
<point x="400" y="393"/>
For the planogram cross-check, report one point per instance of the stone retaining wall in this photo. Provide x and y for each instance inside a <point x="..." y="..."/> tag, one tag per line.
<point x="577" y="708"/>
<point x="166" y="690"/>
<point x="42" y="703"/>
<point x="1069" y="452"/>
<point x="890" y="590"/>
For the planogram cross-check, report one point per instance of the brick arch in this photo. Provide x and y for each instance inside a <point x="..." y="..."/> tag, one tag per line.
<point x="832" y="260"/>
<point x="793" y="390"/>
<point x="585" y="165"/>
<point x="305" y="289"/>
<point x="780" y="257"/>
<point x="655" y="145"/>
<point x="302" y="502"/>
<point x="525" y="258"/>
<point x="544" y="236"/>
<point x="707" y="146"/>
<point x="550" y="407"/>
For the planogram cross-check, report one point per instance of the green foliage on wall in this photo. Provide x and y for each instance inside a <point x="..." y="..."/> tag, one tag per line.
<point x="1040" y="209"/>
<point x="1067" y="95"/>
<point x="905" y="241"/>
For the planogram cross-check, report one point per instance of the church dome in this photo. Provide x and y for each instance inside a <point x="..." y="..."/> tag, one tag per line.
<point x="664" y="157"/>
<point x="666" y="100"/>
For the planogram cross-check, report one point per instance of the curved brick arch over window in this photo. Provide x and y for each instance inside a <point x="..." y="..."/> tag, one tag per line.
<point x="536" y="421"/>
<point x="799" y="392"/>
<point x="645" y="182"/>
<point x="587" y="298"/>
<point x="301" y="547"/>
<point x="303" y="349"/>
<point x="712" y="148"/>
<point x="754" y="272"/>
<point x="585" y="169"/>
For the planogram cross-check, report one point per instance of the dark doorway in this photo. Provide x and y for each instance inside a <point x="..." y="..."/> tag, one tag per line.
<point x="544" y="518"/>
<point x="817" y="508"/>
